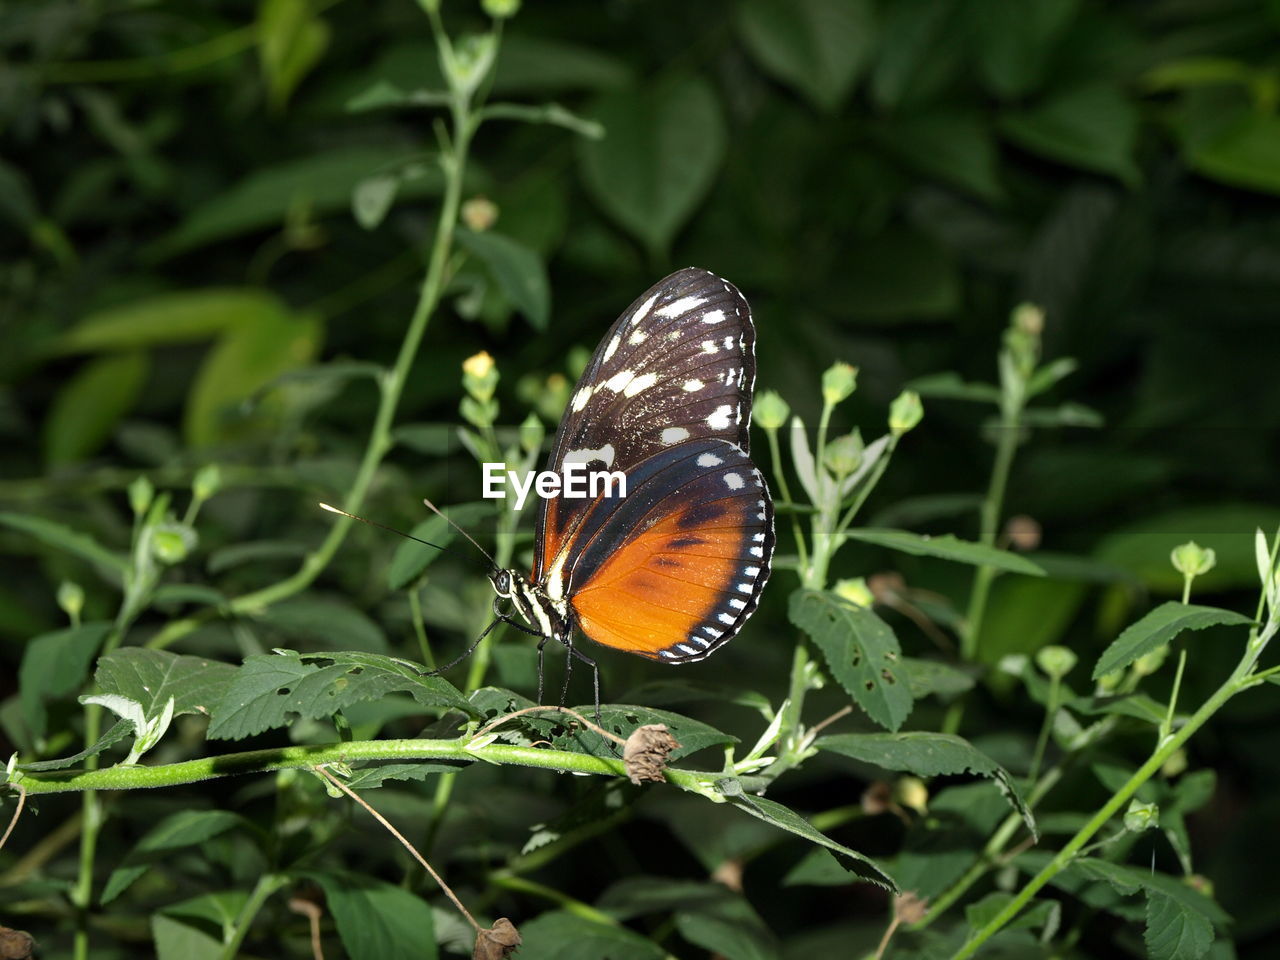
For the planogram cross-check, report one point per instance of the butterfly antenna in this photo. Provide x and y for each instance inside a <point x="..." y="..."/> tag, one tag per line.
<point x="437" y="511"/>
<point x="407" y="536"/>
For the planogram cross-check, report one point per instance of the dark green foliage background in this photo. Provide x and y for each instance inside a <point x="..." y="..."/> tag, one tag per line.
<point x="884" y="181"/>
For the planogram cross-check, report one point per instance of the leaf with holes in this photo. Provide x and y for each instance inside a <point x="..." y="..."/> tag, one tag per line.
<point x="928" y="755"/>
<point x="151" y="677"/>
<point x="861" y="651"/>
<point x="270" y="690"/>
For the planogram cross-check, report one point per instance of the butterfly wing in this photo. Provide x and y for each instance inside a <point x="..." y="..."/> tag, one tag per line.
<point x="678" y="365"/>
<point x="673" y="570"/>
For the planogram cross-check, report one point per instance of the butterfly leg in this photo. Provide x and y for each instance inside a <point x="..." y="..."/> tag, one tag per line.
<point x="541" y="643"/>
<point x="576" y="654"/>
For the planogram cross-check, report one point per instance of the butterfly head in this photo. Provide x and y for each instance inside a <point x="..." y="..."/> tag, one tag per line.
<point x="504" y="583"/>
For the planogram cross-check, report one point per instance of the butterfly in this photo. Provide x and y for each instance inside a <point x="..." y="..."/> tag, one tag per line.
<point x="672" y="570"/>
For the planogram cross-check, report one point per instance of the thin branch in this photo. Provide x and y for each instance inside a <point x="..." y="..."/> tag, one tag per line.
<point x="403" y="840"/>
<point x="313" y="913"/>
<point x="22" y="802"/>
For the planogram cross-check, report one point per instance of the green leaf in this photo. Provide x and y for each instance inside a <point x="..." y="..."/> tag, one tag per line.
<point x="271" y="689"/>
<point x="1063" y="415"/>
<point x="325" y="623"/>
<point x="1159" y="627"/>
<point x="1012" y="53"/>
<point x="784" y="818"/>
<point x="947" y="547"/>
<point x="410" y="558"/>
<point x="728" y="928"/>
<point x="1092" y="127"/>
<point x="168" y="318"/>
<point x="321" y="182"/>
<point x="663" y="145"/>
<point x="637" y="896"/>
<point x="434" y="439"/>
<point x="1174" y="932"/>
<point x="565" y="733"/>
<point x="120" y="730"/>
<point x="928" y="755"/>
<point x="560" y="935"/>
<point x="291" y="43"/>
<point x="861" y="652"/>
<point x="954" y="146"/>
<point x="377" y="920"/>
<point x="530" y="64"/>
<point x="1246" y="155"/>
<point x="87" y="409"/>
<point x="236" y="554"/>
<point x="817" y="47"/>
<point x="949" y="386"/>
<point x="518" y="271"/>
<point x="184" y="829"/>
<point x="67" y="540"/>
<point x="151" y="677"/>
<point x="925" y="677"/>
<point x="373" y="197"/>
<point x="245" y="359"/>
<point x="177" y="941"/>
<point x="369" y="778"/>
<point x="1127" y="880"/>
<point x="55" y="665"/>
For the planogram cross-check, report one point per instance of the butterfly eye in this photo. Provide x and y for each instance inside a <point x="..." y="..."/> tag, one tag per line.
<point x="502" y="583"/>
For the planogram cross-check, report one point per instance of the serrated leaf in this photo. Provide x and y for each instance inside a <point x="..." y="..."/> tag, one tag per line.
<point x="560" y="935"/>
<point x="55" y="665"/>
<point x="1127" y="880"/>
<point x="947" y="547"/>
<point x="519" y="272"/>
<point x="121" y="730"/>
<point x="565" y="733"/>
<point x="369" y="778"/>
<point x="66" y="539"/>
<point x="151" y="677"/>
<point x="861" y="652"/>
<point x="1173" y="932"/>
<point x="784" y="818"/>
<point x="271" y="689"/>
<point x="663" y="144"/>
<point x="928" y="755"/>
<point x="377" y="920"/>
<point x="925" y="677"/>
<point x="184" y="829"/>
<point x="818" y="47"/>
<point x="1159" y="627"/>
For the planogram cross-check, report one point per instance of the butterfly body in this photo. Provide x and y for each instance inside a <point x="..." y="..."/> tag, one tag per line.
<point x="671" y="570"/>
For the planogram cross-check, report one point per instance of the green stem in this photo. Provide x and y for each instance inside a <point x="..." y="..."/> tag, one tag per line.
<point x="1167" y="727"/>
<point x="392" y="387"/>
<point x="419" y="628"/>
<point x="566" y="902"/>
<point x="1051" y="709"/>
<point x="267" y="884"/>
<point x="1113" y="806"/>
<point x="780" y="475"/>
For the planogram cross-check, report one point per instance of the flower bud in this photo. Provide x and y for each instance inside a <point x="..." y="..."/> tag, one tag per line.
<point x="141" y="493"/>
<point x="171" y="542"/>
<point x="208" y="480"/>
<point x="838" y="383"/>
<point x="1175" y="765"/>
<point x="771" y="410"/>
<point x="71" y="599"/>
<point x="843" y="455"/>
<point x="480" y="376"/>
<point x="479" y="214"/>
<point x="469" y="61"/>
<point x="1190" y="559"/>
<point x="1029" y="318"/>
<point x="501" y="9"/>
<point x="1056" y="661"/>
<point x="1023" y="532"/>
<point x="1141" y="816"/>
<point x="911" y="792"/>
<point x="905" y="413"/>
<point x="1149" y="663"/>
<point x="855" y="591"/>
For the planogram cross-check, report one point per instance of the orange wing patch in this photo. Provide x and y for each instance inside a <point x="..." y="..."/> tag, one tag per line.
<point x="664" y="586"/>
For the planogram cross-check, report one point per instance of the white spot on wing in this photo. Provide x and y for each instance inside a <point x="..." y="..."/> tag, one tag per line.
<point x="684" y="648"/>
<point x="733" y="481"/>
<point x="674" y="435"/>
<point x="725" y="618"/>
<point x="745" y="588"/>
<point x="713" y="316"/>
<point x="642" y="311"/>
<point x="719" y="420"/>
<point x="638" y="336"/>
<point x="580" y="399"/>
<point x="709" y="460"/>
<point x="691" y="385"/>
<point x="752" y="571"/>
<point x="757" y="552"/>
<point x="605" y="455"/>
<point x="737" y="604"/>
<point x="613" y="346"/>
<point x="619" y="380"/>
<point x="639" y="384"/>
<point x="709" y="346"/>
<point x="713" y="632"/>
<point x="683" y="305"/>
<point x="728" y="343"/>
